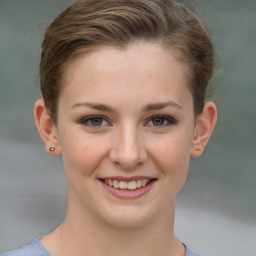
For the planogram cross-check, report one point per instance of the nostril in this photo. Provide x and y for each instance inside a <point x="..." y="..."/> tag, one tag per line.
<point x="127" y="161"/>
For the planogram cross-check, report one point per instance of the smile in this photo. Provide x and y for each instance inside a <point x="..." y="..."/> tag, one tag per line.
<point x="130" y="185"/>
<point x="128" y="188"/>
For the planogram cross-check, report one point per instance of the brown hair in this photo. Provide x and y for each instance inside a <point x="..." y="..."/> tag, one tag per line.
<point x="87" y="24"/>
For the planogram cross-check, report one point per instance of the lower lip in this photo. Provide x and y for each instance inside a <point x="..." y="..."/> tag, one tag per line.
<point x="126" y="193"/>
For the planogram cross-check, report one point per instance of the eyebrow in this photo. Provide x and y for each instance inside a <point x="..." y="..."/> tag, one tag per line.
<point x="96" y="106"/>
<point x="148" y="107"/>
<point x="158" y="106"/>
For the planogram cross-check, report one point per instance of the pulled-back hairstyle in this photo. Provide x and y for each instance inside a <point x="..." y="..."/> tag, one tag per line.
<point x="87" y="24"/>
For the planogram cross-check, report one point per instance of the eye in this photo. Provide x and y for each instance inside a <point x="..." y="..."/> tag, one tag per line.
<point x="94" y="121"/>
<point x="160" y="121"/>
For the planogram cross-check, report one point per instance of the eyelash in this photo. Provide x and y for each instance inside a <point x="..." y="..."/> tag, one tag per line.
<point x="168" y="119"/>
<point x="86" y="120"/>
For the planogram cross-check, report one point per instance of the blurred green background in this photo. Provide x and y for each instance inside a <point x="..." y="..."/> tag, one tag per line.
<point x="221" y="184"/>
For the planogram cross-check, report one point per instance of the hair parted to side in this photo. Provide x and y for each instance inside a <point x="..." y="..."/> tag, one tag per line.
<point x="87" y="24"/>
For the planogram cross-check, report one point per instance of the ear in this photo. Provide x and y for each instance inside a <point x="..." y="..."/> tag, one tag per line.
<point x="205" y="124"/>
<point x="46" y="128"/>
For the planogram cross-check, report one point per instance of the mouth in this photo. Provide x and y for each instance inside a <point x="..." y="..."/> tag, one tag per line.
<point x="129" y="188"/>
<point x="130" y="185"/>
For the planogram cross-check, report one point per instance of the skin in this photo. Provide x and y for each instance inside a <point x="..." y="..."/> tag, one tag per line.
<point x="128" y="140"/>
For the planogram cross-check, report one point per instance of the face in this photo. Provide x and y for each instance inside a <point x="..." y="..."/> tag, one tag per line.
<point x="125" y="128"/>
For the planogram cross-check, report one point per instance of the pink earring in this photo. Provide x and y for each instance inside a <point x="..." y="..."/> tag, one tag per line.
<point x="52" y="149"/>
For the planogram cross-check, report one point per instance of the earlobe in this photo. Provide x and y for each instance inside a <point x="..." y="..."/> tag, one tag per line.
<point x="205" y="124"/>
<point x="46" y="128"/>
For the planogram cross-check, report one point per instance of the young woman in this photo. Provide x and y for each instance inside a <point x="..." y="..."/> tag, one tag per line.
<point x="124" y="86"/>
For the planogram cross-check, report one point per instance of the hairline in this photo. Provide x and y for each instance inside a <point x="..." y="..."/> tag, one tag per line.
<point x="84" y="51"/>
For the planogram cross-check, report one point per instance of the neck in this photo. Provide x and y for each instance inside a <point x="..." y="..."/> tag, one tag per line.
<point x="82" y="233"/>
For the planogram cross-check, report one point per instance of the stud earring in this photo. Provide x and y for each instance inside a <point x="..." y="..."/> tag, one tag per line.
<point x="52" y="149"/>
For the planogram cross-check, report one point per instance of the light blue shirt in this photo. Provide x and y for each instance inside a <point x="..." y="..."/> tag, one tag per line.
<point x="37" y="249"/>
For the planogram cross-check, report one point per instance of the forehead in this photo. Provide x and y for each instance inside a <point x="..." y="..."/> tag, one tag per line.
<point x="141" y="69"/>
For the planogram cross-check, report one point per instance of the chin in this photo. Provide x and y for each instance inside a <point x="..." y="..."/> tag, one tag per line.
<point x="127" y="217"/>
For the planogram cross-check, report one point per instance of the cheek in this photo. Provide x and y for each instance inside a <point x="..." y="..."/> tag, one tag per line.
<point x="82" y="153"/>
<point x="172" y="156"/>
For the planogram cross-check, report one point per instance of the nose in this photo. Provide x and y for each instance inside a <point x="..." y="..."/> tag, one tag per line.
<point x="128" y="149"/>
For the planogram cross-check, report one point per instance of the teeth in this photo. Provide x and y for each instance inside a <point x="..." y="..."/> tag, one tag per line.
<point x="138" y="184"/>
<point x="131" y="185"/>
<point x="123" y="185"/>
<point x="115" y="184"/>
<point x="143" y="182"/>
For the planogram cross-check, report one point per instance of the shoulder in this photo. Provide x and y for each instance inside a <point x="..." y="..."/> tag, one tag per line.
<point x="189" y="252"/>
<point x="33" y="249"/>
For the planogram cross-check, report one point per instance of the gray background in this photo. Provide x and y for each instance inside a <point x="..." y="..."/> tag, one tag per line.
<point x="216" y="210"/>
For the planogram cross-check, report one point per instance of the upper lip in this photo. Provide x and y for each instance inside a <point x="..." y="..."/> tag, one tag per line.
<point x="122" y="178"/>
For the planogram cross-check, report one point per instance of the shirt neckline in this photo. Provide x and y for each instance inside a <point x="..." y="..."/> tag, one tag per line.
<point x="36" y="243"/>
